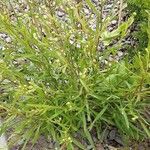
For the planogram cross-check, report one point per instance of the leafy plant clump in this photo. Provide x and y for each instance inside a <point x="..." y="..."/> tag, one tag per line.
<point x="141" y="21"/>
<point x="53" y="83"/>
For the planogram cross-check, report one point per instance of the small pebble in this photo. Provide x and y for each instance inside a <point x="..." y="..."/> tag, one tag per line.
<point x="111" y="58"/>
<point x="60" y="13"/>
<point x="110" y="29"/>
<point x="120" y="53"/>
<point x="3" y="142"/>
<point x="114" y="22"/>
<point x="78" y="45"/>
<point x="112" y="134"/>
<point x="2" y="35"/>
<point x="109" y="6"/>
<point x="119" y="140"/>
<point x="87" y="11"/>
<point x="8" y="39"/>
<point x="71" y="41"/>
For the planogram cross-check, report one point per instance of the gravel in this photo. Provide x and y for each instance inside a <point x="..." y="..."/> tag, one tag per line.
<point x="3" y="142"/>
<point x="42" y="144"/>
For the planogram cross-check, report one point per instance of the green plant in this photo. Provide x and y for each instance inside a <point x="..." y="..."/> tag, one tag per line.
<point x="54" y="87"/>
<point x="141" y="20"/>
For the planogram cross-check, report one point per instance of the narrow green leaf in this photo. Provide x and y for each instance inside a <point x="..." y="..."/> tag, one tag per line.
<point x="98" y="116"/>
<point x="87" y="133"/>
<point x="125" y="117"/>
<point x="76" y="142"/>
<point x="147" y="131"/>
